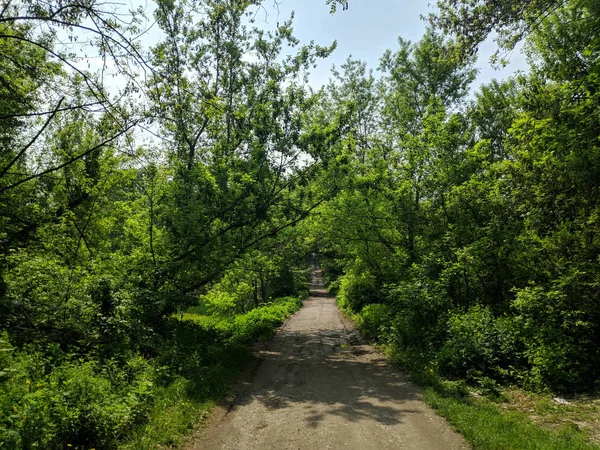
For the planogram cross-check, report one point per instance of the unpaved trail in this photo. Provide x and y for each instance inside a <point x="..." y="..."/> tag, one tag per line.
<point x="318" y="387"/>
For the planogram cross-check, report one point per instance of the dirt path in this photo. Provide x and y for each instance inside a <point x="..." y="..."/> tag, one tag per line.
<point x="318" y="387"/>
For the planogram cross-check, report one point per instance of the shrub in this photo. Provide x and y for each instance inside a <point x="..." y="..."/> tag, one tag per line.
<point x="480" y="345"/>
<point x="422" y="310"/>
<point x="82" y="404"/>
<point x="560" y="325"/>
<point x="50" y="399"/>
<point x="260" y="323"/>
<point x="358" y="290"/>
<point x="191" y="345"/>
<point x="374" y="320"/>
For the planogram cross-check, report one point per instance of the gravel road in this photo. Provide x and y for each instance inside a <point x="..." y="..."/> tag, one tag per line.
<point x="318" y="386"/>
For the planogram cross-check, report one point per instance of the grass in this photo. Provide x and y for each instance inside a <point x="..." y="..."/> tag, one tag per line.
<point x="183" y="404"/>
<point x="551" y="413"/>
<point x="486" y="419"/>
<point x="500" y="419"/>
<point x="173" y="414"/>
<point x="491" y="421"/>
<point x="486" y="426"/>
<point x="503" y="420"/>
<point x="186" y="401"/>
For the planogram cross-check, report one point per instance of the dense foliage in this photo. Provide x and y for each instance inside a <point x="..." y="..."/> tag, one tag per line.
<point x="466" y="232"/>
<point x="101" y="403"/>
<point x="153" y="226"/>
<point x="107" y="237"/>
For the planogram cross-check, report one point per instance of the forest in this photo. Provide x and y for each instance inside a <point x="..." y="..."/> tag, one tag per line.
<point x="160" y="205"/>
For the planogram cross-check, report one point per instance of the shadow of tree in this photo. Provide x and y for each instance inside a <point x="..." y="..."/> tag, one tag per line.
<point x="321" y="373"/>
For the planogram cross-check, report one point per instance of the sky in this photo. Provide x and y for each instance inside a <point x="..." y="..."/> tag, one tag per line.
<point x="366" y="30"/>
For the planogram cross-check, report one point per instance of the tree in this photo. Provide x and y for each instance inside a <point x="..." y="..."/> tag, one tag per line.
<point x="235" y="128"/>
<point x="472" y="22"/>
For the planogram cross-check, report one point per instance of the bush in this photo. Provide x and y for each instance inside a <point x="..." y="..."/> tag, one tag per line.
<point x="81" y="404"/>
<point x="356" y="291"/>
<point x="480" y="345"/>
<point x="422" y="310"/>
<point x="560" y="325"/>
<point x="50" y="399"/>
<point x="183" y="347"/>
<point x="260" y="323"/>
<point x="374" y="321"/>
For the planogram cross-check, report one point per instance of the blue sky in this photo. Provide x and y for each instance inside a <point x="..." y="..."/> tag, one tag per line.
<point x="366" y="30"/>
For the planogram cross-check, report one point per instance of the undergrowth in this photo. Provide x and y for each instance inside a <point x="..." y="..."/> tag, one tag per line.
<point x="143" y="401"/>
<point x="474" y="408"/>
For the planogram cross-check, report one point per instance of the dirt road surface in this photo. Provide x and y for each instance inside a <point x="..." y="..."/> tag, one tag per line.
<point x="317" y="386"/>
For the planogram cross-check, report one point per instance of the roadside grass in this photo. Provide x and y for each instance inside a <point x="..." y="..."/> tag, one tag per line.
<point x="187" y="399"/>
<point x="489" y="420"/>
<point x="185" y="403"/>
<point x="499" y="418"/>
<point x="173" y="414"/>
<point x="486" y="426"/>
<point x="554" y="413"/>
<point x="504" y="418"/>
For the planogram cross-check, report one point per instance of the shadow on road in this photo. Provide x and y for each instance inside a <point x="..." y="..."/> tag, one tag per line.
<point x="317" y="364"/>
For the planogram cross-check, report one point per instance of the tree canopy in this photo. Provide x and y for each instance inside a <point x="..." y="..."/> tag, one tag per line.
<point x="152" y="226"/>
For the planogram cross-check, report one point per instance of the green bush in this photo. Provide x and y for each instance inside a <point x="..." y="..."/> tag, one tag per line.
<point x="78" y="403"/>
<point x="561" y="325"/>
<point x="422" y="309"/>
<point x="358" y="290"/>
<point x="260" y="323"/>
<point x="374" y="321"/>
<point x="183" y="347"/>
<point x="50" y="401"/>
<point x="480" y="345"/>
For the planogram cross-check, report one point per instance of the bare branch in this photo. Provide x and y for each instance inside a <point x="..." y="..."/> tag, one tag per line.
<point x="70" y="161"/>
<point x="31" y="142"/>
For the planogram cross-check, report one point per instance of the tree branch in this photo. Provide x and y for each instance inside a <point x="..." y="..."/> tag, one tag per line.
<point x="35" y="138"/>
<point x="54" y="111"/>
<point x="70" y="161"/>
